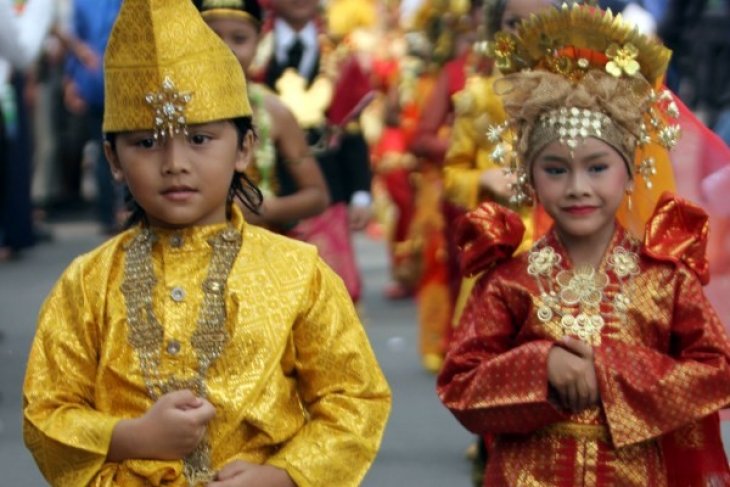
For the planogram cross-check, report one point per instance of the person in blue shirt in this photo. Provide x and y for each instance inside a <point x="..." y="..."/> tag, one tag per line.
<point x="92" y="21"/>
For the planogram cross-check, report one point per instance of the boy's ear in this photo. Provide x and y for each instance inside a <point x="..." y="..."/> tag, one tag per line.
<point x="113" y="160"/>
<point x="245" y="152"/>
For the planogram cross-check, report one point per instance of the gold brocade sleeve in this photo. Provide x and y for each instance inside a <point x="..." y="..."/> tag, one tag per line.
<point x="489" y="382"/>
<point x="342" y="389"/>
<point x="477" y="106"/>
<point x="68" y="438"/>
<point x="647" y="393"/>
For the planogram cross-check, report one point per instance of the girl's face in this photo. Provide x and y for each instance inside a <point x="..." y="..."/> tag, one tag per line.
<point x="184" y="180"/>
<point x="581" y="192"/>
<point x="517" y="10"/>
<point x="241" y="36"/>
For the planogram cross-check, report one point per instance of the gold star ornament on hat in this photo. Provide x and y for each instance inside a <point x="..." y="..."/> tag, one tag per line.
<point x="165" y="69"/>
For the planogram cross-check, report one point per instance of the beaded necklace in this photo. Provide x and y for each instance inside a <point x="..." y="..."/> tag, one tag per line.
<point x="146" y="333"/>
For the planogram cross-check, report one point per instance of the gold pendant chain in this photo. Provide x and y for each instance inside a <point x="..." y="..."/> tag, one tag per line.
<point x="584" y="296"/>
<point x="146" y="334"/>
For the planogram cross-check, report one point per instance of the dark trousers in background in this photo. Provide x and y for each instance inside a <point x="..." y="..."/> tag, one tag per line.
<point x="16" y="213"/>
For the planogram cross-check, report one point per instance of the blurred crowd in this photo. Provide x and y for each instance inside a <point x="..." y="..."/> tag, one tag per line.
<point x="416" y="54"/>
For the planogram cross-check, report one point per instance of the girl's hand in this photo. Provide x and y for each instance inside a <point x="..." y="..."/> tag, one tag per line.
<point x="169" y="430"/>
<point x="572" y="373"/>
<point x="242" y="474"/>
<point x="496" y="184"/>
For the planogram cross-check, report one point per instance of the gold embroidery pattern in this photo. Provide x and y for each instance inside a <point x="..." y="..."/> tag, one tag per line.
<point x="209" y="339"/>
<point x="577" y="297"/>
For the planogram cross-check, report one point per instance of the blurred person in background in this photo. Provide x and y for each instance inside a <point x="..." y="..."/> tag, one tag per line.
<point x="280" y="146"/>
<point x="23" y="27"/>
<point x="324" y="86"/>
<point x="91" y="23"/>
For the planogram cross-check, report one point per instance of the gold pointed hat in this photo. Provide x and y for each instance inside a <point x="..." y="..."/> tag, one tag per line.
<point x="164" y="69"/>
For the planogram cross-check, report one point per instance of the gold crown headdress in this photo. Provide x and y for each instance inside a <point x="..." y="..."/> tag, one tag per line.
<point x="578" y="72"/>
<point x="164" y="68"/>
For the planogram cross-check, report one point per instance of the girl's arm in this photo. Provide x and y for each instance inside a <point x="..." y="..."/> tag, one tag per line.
<point x="312" y="195"/>
<point x="341" y="387"/>
<point x="490" y="384"/>
<point x="647" y="393"/>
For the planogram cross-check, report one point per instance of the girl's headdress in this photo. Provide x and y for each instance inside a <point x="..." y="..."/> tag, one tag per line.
<point x="578" y="72"/>
<point x="164" y="69"/>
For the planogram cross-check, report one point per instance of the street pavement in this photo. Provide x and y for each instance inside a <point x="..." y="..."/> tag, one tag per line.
<point x="423" y="445"/>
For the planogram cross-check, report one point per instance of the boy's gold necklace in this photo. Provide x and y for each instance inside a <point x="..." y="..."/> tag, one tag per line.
<point x="146" y="334"/>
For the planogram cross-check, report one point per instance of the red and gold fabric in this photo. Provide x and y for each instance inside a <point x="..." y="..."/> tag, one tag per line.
<point x="663" y="369"/>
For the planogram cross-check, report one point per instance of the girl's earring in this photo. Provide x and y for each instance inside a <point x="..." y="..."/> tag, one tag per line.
<point x="629" y="203"/>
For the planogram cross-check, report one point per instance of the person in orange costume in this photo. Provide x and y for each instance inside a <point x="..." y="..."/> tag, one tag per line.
<point x="438" y="285"/>
<point x="594" y="358"/>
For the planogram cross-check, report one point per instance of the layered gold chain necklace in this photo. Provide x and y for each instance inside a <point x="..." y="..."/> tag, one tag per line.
<point x="582" y="298"/>
<point x="146" y="334"/>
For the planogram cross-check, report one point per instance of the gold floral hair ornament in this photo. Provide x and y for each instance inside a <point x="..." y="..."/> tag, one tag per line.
<point x="165" y="69"/>
<point x="578" y="72"/>
<point x="247" y="10"/>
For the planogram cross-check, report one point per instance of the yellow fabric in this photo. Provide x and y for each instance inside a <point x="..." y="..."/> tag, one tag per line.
<point x="477" y="107"/>
<point x="157" y="39"/>
<point x="469" y="154"/>
<point x="297" y="385"/>
<point x="345" y="16"/>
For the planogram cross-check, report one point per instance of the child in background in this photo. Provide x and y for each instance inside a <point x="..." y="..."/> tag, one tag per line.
<point x="594" y="358"/>
<point x="195" y="349"/>
<point x="281" y="145"/>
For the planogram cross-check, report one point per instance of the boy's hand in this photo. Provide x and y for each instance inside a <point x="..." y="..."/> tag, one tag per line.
<point x="175" y="424"/>
<point x="242" y="474"/>
<point x="169" y="430"/>
<point x="572" y="373"/>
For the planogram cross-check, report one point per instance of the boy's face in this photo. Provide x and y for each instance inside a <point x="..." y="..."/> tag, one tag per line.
<point x="581" y="192"/>
<point x="296" y="12"/>
<point x="240" y="35"/>
<point x="184" y="180"/>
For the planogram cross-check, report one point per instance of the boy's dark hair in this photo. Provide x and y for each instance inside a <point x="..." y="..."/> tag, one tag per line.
<point x="242" y="188"/>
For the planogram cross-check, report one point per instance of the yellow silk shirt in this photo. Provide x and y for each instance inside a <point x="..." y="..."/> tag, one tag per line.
<point x="297" y="385"/>
<point x="477" y="107"/>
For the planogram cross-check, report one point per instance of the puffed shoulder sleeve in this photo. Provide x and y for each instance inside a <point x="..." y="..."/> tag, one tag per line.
<point x="487" y="235"/>
<point x="677" y="232"/>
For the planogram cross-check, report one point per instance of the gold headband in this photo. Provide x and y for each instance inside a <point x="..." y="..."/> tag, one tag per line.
<point x="229" y="13"/>
<point x="164" y="68"/>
